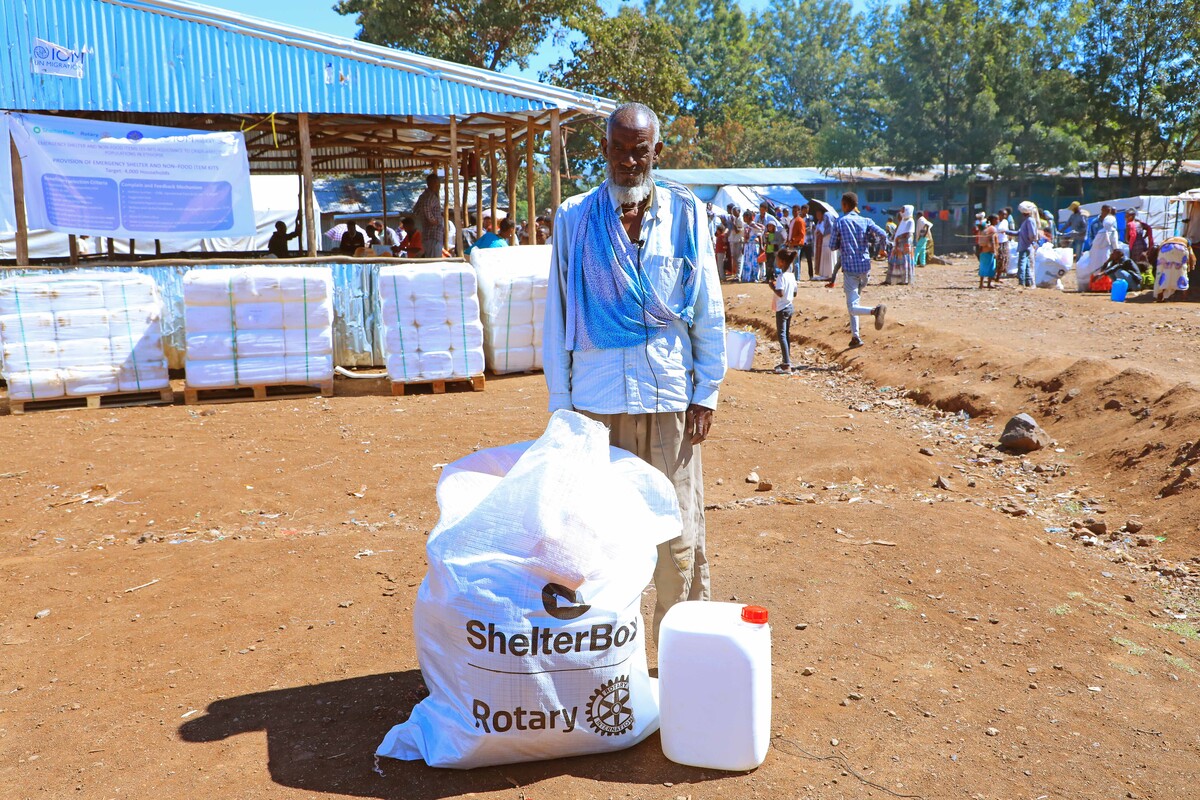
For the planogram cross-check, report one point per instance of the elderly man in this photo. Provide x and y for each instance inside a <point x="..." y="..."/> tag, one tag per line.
<point x="635" y="329"/>
<point x="428" y="214"/>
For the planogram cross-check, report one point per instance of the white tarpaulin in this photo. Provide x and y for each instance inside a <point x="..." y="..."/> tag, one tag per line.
<point x="1157" y="211"/>
<point x="748" y="198"/>
<point x="132" y="181"/>
<point x="276" y="199"/>
<point x="8" y="212"/>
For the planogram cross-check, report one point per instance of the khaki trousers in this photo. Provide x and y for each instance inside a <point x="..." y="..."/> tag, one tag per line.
<point x="658" y="439"/>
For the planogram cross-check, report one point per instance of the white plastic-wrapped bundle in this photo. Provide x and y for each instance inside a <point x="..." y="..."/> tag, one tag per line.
<point x="429" y="321"/>
<point x="258" y="326"/>
<point x="512" y="304"/>
<point x="76" y="334"/>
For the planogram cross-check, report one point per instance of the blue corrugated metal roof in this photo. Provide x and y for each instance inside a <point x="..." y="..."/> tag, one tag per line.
<point x="166" y="56"/>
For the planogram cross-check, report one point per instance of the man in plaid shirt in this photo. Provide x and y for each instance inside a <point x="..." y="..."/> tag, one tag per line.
<point x="851" y="233"/>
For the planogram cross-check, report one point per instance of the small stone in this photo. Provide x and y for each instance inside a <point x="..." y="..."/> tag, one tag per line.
<point x="45" y="612"/>
<point x="1098" y="527"/>
<point x="802" y="626"/>
<point x="1114" y="405"/>
<point x="855" y="696"/>
<point x="1145" y="541"/>
<point x="1133" y="526"/>
<point x="833" y="742"/>
<point x="1129" y="598"/>
<point x="942" y="483"/>
<point x="845" y="702"/>
<point x="752" y="478"/>
<point x="345" y="604"/>
<point x="720" y="481"/>
<point x="807" y="671"/>
<point x="992" y="732"/>
<point x="925" y="451"/>
<point x="764" y="486"/>
<point x="994" y="620"/>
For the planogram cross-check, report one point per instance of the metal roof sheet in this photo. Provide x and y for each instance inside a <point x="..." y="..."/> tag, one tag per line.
<point x="169" y="56"/>
<point x="776" y="176"/>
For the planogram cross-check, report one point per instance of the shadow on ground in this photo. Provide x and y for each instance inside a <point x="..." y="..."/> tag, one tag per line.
<point x="322" y="739"/>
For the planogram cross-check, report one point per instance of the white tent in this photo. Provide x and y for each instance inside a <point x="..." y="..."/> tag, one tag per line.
<point x="276" y="199"/>
<point x="1157" y="211"/>
<point x="748" y="198"/>
<point x="1187" y="211"/>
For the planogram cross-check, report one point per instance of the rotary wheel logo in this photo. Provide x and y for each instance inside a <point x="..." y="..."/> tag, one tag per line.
<point x="608" y="711"/>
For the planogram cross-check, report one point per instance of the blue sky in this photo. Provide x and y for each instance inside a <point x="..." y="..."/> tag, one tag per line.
<point x="319" y="15"/>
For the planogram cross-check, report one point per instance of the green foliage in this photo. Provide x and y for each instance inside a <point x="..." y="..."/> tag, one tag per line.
<point x="1017" y="85"/>
<point x="482" y="33"/>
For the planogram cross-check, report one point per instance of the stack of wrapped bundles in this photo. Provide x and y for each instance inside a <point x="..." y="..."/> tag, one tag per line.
<point x="258" y="326"/>
<point x="429" y="316"/>
<point x="512" y="300"/>
<point x="80" y="334"/>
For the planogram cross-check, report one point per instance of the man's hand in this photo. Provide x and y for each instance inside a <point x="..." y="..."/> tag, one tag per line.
<point x="830" y="284"/>
<point x="697" y="423"/>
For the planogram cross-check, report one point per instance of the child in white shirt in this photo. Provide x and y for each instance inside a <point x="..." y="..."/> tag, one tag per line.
<point x="784" y="285"/>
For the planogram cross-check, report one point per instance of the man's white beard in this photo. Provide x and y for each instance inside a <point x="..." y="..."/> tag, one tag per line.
<point x="631" y="194"/>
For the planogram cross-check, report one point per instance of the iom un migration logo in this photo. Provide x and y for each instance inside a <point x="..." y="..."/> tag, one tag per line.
<point x="41" y="51"/>
<point x="563" y="603"/>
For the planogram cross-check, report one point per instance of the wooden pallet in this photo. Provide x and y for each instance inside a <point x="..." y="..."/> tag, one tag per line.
<point x="475" y="384"/>
<point x="195" y="395"/>
<point x="157" y="397"/>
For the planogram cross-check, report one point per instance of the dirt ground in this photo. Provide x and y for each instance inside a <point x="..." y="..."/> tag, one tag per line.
<point x="230" y="587"/>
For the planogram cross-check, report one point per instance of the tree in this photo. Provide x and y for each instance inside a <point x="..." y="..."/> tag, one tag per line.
<point x="717" y="54"/>
<point x="629" y="57"/>
<point x="1138" y="60"/>
<point x="481" y="33"/>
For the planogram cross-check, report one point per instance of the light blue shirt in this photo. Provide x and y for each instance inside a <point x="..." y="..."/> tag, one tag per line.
<point x="678" y="365"/>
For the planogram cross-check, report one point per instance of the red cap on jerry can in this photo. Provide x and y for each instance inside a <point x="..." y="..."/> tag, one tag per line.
<point x="755" y="614"/>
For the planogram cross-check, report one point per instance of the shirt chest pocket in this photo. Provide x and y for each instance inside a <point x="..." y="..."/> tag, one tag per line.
<point x="668" y="276"/>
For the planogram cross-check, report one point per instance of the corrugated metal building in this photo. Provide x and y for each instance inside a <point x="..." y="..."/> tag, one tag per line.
<point x="308" y="103"/>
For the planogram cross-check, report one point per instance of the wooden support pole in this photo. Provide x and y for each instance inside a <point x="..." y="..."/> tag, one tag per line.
<point x="458" y="207"/>
<point x="158" y="247"/>
<point x="383" y="191"/>
<point x="132" y="246"/>
<point x="18" y="185"/>
<point x="112" y="250"/>
<point x="306" y="186"/>
<point x="492" y="180"/>
<point x="555" y="160"/>
<point x="510" y="172"/>
<point x="479" y="192"/>
<point x="446" y="196"/>
<point x="73" y="245"/>
<point x="530" y="188"/>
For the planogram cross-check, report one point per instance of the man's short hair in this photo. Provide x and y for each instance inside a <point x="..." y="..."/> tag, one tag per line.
<point x="506" y="224"/>
<point x="432" y="178"/>
<point x="629" y="113"/>
<point x="408" y="222"/>
<point x="851" y="199"/>
<point x="787" y="255"/>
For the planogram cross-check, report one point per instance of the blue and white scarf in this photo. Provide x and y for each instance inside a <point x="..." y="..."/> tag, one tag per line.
<point x="612" y="304"/>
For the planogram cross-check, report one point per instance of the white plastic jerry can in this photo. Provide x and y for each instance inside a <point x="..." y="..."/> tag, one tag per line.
<point x="714" y="669"/>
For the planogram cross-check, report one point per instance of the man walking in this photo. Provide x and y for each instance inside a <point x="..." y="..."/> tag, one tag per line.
<point x="634" y="333"/>
<point x="850" y="238"/>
